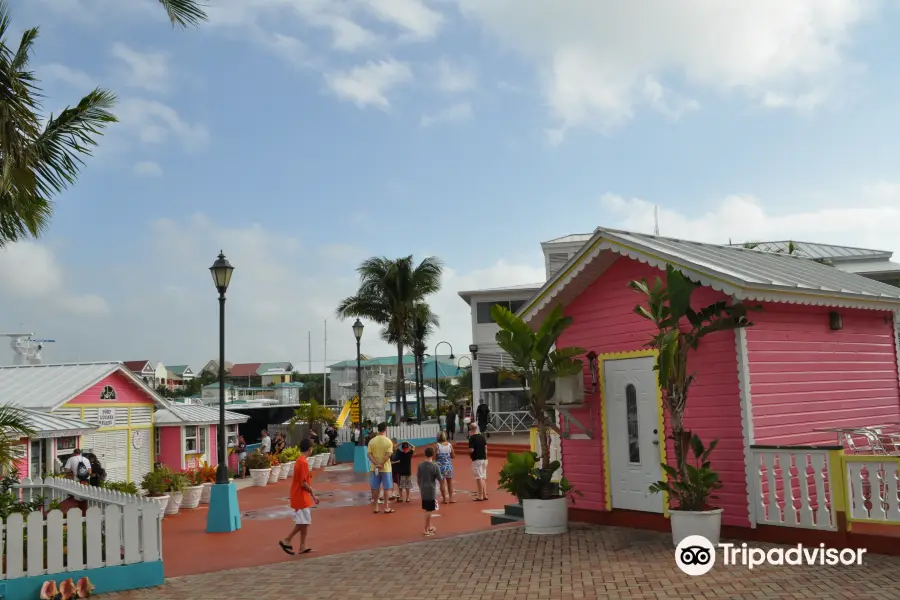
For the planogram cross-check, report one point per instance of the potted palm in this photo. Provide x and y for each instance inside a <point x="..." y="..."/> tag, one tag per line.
<point x="530" y="484"/>
<point x="154" y="485"/>
<point x="260" y="468"/>
<point x="194" y="490"/>
<point x="679" y="330"/>
<point x="536" y="366"/>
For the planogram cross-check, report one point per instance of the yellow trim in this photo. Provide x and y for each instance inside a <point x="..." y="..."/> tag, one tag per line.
<point x="602" y="359"/>
<point x="124" y="427"/>
<point x="838" y="481"/>
<point x="643" y="252"/>
<point x="845" y="502"/>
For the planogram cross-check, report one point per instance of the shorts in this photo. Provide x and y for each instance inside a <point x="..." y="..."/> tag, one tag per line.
<point x="302" y="517"/>
<point x="405" y="482"/>
<point x="381" y="480"/>
<point x="479" y="469"/>
<point x="429" y="505"/>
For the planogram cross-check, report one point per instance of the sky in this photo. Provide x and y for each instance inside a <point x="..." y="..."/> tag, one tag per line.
<point x="303" y="136"/>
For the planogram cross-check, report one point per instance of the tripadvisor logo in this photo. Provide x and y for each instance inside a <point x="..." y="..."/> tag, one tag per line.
<point x="696" y="555"/>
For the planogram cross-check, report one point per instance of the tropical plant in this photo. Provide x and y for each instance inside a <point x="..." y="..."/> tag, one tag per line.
<point x="536" y="365"/>
<point x="194" y="477"/>
<point x="691" y="488"/>
<point x="289" y="454"/>
<point x="521" y="477"/>
<point x="40" y="156"/>
<point x="679" y="330"/>
<point x="257" y="460"/>
<point x="387" y="295"/>
<point x="273" y="460"/>
<point x="125" y="487"/>
<point x="154" y="482"/>
<point x="319" y="449"/>
<point x="206" y="472"/>
<point x="313" y="414"/>
<point x="14" y="428"/>
<point x="419" y="330"/>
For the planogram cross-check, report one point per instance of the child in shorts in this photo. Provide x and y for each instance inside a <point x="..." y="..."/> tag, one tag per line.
<point x="403" y="469"/>
<point x="428" y="477"/>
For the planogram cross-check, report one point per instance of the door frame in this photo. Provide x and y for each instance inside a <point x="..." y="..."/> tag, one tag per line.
<point x="602" y="359"/>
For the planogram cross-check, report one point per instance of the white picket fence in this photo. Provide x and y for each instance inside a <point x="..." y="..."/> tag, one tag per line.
<point x="117" y="529"/>
<point x="401" y="432"/>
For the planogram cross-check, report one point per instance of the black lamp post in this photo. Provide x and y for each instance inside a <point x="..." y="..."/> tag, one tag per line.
<point x="437" y="386"/>
<point x="221" y="273"/>
<point x="357" y="333"/>
<point x="461" y="359"/>
<point x="473" y="350"/>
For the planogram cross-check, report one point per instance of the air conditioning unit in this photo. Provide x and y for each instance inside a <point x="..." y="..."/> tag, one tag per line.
<point x="569" y="391"/>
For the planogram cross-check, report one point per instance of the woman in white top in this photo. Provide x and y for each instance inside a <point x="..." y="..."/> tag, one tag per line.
<point x="445" y="456"/>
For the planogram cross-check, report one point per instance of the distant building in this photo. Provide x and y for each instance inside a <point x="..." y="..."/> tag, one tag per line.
<point x="342" y="375"/>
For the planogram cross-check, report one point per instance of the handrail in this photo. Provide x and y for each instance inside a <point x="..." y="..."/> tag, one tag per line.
<point x="811" y="447"/>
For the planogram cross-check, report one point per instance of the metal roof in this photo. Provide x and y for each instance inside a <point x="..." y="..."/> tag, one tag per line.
<point x="869" y="267"/>
<point x="189" y="414"/>
<point x="384" y="361"/>
<point x="815" y="250"/>
<point x="274" y="368"/>
<point x="743" y="273"/>
<point x="568" y="239"/>
<point x="48" y="425"/>
<point x="524" y="287"/>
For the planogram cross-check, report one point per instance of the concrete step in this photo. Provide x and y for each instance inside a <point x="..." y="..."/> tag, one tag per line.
<point x="503" y="519"/>
<point x="514" y="510"/>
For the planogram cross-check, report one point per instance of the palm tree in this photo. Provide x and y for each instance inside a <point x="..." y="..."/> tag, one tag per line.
<point x="183" y="12"/>
<point x="387" y="295"/>
<point x="422" y="326"/>
<point x="14" y="425"/>
<point x="39" y="158"/>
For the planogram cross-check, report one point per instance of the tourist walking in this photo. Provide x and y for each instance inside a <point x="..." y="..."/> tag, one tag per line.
<point x="279" y="445"/>
<point x="331" y="437"/>
<point x="482" y="416"/>
<point x="478" y="450"/>
<point x="241" y="449"/>
<point x="302" y="499"/>
<point x="445" y="456"/>
<point x="78" y="467"/>
<point x="265" y="444"/>
<point x="380" y="480"/>
<point x="98" y="473"/>
<point x="427" y="476"/>
<point x="451" y="423"/>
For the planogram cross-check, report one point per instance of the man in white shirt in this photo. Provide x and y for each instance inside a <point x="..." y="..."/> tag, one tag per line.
<point x="265" y="445"/>
<point x="78" y="467"/>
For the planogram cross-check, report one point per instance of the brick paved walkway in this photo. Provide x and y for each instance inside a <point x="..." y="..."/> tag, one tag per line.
<point x="589" y="562"/>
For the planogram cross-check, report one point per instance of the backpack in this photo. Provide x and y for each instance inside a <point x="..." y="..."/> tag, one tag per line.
<point x="81" y="471"/>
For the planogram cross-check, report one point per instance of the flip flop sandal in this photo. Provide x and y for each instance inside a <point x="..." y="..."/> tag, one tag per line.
<point x="388" y="511"/>
<point x="429" y="534"/>
<point x="307" y="551"/>
<point x="286" y="548"/>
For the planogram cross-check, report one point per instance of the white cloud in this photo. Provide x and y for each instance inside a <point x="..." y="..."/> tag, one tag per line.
<point x="154" y="122"/>
<point x="455" y="78"/>
<point x="30" y="273"/>
<point x="595" y="56"/>
<point x="67" y="75"/>
<point x="369" y="84"/>
<point x="414" y="16"/>
<point x="261" y="326"/>
<point x="868" y="222"/>
<point x="147" y="168"/>
<point x="451" y="114"/>
<point x="144" y="70"/>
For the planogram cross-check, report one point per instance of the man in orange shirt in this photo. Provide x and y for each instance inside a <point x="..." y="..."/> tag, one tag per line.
<point x="302" y="499"/>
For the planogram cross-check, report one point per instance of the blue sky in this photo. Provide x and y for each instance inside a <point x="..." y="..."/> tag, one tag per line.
<point x="302" y="136"/>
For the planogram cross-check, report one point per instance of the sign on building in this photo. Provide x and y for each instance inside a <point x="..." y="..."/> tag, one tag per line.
<point x="106" y="417"/>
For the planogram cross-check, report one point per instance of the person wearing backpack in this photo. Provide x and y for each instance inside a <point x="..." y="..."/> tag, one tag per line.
<point x="78" y="467"/>
<point x="98" y="473"/>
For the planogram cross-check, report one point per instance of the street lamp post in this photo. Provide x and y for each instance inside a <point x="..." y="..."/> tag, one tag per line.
<point x="357" y="333"/>
<point x="437" y="386"/>
<point x="223" y="507"/>
<point x="458" y="366"/>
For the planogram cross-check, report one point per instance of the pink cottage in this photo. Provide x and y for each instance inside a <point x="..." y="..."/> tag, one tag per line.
<point x="822" y="353"/>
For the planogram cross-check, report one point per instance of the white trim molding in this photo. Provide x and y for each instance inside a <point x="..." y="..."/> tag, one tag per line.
<point x="896" y="328"/>
<point x="743" y="372"/>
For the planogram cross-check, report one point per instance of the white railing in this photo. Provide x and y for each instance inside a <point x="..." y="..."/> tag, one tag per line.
<point x="519" y="421"/>
<point x="38" y="545"/>
<point x="53" y="488"/>
<point x="793" y="487"/>
<point x="871" y="484"/>
<point x="401" y="432"/>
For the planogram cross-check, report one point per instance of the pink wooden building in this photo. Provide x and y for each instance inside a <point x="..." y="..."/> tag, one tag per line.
<point x="822" y="353"/>
<point x="186" y="434"/>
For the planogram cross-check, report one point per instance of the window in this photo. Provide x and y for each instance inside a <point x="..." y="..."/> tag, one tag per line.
<point x="203" y="434"/>
<point x="108" y="393"/>
<point x="483" y="309"/>
<point x="66" y="444"/>
<point x="156" y="442"/>
<point x="631" y="414"/>
<point x="193" y="439"/>
<point x="231" y="435"/>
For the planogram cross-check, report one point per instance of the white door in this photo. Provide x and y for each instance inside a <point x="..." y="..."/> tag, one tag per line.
<point x="632" y="425"/>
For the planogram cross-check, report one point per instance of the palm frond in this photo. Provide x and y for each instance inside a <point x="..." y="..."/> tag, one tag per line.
<point x="184" y="13"/>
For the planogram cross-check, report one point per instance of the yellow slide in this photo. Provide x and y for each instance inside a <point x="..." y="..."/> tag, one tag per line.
<point x="345" y="412"/>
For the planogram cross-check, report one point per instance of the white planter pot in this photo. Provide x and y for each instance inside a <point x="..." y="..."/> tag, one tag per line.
<point x="322" y="460"/>
<point x="274" y="474"/>
<point x="290" y="468"/>
<point x="546" y="517"/>
<point x="192" y="496"/>
<point x="204" y="495"/>
<point x="314" y="461"/>
<point x="260" y="477"/>
<point x="707" y="523"/>
<point x="283" y="472"/>
<point x="174" y="504"/>
<point x="162" y="501"/>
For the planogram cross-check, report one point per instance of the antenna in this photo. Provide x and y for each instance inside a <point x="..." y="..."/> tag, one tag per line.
<point x="655" y="220"/>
